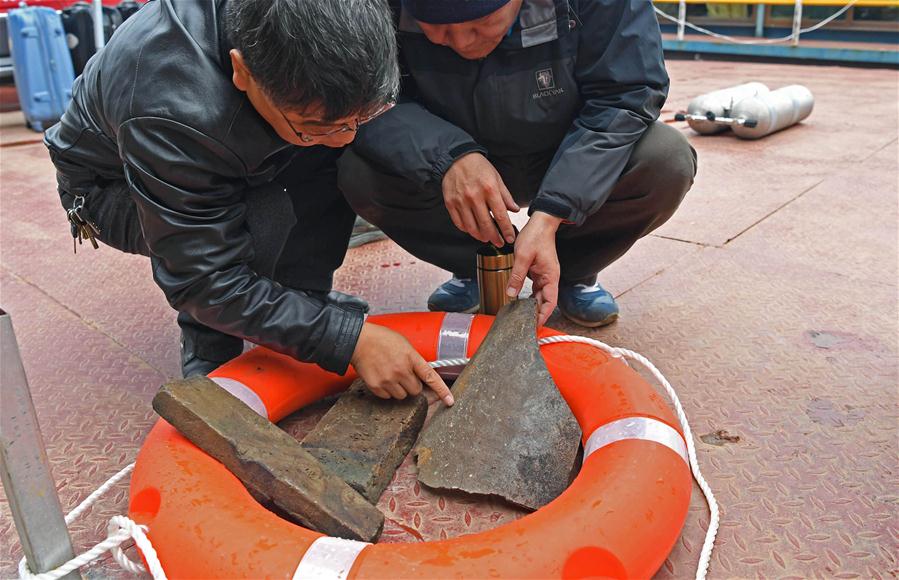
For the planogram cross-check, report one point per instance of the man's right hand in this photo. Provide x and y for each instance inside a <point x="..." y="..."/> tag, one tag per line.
<point x="391" y="367"/>
<point x="472" y="190"/>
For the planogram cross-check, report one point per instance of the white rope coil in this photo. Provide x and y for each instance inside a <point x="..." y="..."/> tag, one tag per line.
<point x="714" y="516"/>
<point x="762" y="41"/>
<point x="120" y="530"/>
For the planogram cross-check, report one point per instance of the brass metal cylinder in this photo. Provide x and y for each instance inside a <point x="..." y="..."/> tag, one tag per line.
<point x="494" y="270"/>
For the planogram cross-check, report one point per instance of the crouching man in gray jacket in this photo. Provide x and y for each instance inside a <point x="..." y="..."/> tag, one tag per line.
<point x="550" y="103"/>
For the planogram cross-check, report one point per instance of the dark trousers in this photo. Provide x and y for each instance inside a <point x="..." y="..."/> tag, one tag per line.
<point x="655" y="180"/>
<point x="300" y="225"/>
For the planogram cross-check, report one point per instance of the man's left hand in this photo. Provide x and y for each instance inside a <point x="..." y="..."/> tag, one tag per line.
<point x="535" y="255"/>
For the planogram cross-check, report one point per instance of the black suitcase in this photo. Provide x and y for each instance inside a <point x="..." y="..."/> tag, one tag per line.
<point x="78" y="21"/>
<point x="128" y="8"/>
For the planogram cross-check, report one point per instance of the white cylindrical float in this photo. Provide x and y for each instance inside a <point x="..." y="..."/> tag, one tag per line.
<point x="704" y="109"/>
<point x="765" y="114"/>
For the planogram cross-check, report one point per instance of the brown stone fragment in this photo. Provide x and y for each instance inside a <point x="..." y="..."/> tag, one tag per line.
<point x="363" y="439"/>
<point x="271" y="463"/>
<point x="510" y="433"/>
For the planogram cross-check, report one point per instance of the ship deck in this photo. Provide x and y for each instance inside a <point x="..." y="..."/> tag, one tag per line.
<point x="769" y="301"/>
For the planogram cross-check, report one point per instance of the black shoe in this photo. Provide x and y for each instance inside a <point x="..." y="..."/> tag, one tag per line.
<point x="203" y="349"/>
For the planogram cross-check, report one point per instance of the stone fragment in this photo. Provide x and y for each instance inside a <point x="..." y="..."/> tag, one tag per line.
<point x="510" y="433"/>
<point x="271" y="463"/>
<point x="363" y="439"/>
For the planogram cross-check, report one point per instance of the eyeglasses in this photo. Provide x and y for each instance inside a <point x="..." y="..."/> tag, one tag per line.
<point x="307" y="137"/>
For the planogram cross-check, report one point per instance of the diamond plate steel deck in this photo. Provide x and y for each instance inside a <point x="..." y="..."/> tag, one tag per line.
<point x="769" y="301"/>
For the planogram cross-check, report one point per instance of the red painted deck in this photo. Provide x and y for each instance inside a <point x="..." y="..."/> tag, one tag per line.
<point x="769" y="301"/>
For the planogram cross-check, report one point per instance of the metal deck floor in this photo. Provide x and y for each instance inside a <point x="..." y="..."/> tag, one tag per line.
<point x="769" y="301"/>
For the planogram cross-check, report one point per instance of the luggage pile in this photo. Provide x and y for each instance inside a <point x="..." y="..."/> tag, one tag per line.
<point x="50" y="48"/>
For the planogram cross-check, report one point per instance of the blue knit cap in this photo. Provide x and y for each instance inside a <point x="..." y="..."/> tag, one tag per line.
<point x="451" y="11"/>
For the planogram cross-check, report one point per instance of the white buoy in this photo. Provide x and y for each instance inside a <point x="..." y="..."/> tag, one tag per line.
<point x="765" y="114"/>
<point x="704" y="109"/>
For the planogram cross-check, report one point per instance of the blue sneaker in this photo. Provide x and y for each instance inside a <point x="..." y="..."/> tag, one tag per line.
<point x="590" y="306"/>
<point x="456" y="295"/>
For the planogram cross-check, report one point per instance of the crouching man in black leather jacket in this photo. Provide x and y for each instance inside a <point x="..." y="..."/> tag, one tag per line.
<point x="205" y="136"/>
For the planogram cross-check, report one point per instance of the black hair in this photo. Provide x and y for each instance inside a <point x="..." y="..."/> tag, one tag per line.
<point x="339" y="54"/>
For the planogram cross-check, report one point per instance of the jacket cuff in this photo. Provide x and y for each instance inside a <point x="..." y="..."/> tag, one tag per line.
<point x="445" y="161"/>
<point x="558" y="208"/>
<point x="348" y="329"/>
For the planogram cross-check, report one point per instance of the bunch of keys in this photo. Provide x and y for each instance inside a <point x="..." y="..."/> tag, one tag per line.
<point x="81" y="228"/>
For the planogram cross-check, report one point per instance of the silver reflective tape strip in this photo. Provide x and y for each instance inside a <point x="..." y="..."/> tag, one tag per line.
<point x="329" y="559"/>
<point x="242" y="392"/>
<point x="453" y="340"/>
<point x="636" y="428"/>
<point x="538" y="23"/>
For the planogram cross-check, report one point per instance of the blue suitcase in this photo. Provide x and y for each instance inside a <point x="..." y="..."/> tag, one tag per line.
<point x="42" y="65"/>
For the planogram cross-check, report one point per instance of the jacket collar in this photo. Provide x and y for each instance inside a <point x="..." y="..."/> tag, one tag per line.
<point x="224" y="44"/>
<point x="539" y="22"/>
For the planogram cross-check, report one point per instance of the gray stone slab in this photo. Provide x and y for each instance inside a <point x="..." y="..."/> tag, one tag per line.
<point x="363" y="439"/>
<point x="510" y="433"/>
<point x="271" y="463"/>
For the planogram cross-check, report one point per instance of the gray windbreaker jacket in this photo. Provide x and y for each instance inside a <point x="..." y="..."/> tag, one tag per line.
<point x="580" y="78"/>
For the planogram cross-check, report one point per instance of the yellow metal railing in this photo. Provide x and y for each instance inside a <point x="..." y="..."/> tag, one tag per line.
<point x="681" y="19"/>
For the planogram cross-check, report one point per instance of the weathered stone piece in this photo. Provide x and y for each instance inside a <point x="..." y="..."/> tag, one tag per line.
<point x="363" y="439"/>
<point x="271" y="463"/>
<point x="510" y="433"/>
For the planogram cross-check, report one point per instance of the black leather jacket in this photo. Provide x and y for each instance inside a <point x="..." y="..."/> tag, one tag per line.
<point x="157" y="108"/>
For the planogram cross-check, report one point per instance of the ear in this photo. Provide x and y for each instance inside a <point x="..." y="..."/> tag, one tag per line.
<point x="241" y="78"/>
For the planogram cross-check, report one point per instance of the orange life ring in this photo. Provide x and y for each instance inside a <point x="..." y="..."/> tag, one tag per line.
<point x="619" y="518"/>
